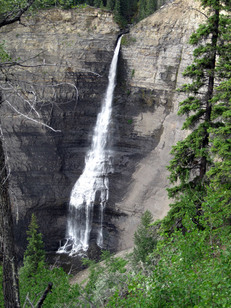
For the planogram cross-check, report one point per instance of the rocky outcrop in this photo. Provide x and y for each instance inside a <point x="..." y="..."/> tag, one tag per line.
<point x="73" y="50"/>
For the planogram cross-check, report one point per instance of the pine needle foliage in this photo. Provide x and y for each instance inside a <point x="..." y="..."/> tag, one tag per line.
<point x="34" y="255"/>
<point x="145" y="238"/>
<point x="192" y="157"/>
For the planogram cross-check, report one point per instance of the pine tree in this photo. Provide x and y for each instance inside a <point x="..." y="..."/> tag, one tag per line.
<point x="142" y="12"/>
<point x="221" y="111"/>
<point x="192" y="156"/>
<point x="220" y="174"/>
<point x="34" y="254"/>
<point x="218" y="199"/>
<point x="98" y="3"/>
<point x="151" y="6"/>
<point x="145" y="238"/>
<point x="110" y="4"/>
<point x="118" y="13"/>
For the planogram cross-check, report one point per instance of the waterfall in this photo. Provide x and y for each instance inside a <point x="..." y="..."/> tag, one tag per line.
<point x="93" y="183"/>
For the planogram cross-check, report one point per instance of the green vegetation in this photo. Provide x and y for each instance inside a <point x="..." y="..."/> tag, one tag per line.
<point x="35" y="253"/>
<point x="127" y="40"/>
<point x="4" y="57"/>
<point x="130" y="121"/>
<point x="183" y="271"/>
<point x="105" y="278"/>
<point x="34" y="275"/>
<point x="62" y="292"/>
<point x="145" y="238"/>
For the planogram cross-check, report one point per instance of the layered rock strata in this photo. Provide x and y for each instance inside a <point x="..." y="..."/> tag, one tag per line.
<point x="70" y="52"/>
<point x="155" y="54"/>
<point x="65" y="56"/>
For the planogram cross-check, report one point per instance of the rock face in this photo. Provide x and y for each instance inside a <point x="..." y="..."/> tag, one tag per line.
<point x="73" y="50"/>
<point x="70" y="54"/>
<point x="155" y="54"/>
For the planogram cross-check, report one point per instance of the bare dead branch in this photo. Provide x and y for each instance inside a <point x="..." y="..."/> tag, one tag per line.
<point x="15" y="63"/>
<point x="4" y="172"/>
<point x="65" y="83"/>
<point x="29" y="301"/>
<point x="43" y="297"/>
<point x="192" y="8"/>
<point x="31" y="119"/>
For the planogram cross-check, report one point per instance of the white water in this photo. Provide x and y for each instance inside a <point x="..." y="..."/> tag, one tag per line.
<point x="93" y="182"/>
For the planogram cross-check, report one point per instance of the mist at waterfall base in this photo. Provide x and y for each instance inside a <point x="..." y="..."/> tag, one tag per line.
<point x="93" y="185"/>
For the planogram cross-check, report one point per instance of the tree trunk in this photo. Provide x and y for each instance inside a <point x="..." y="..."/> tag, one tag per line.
<point x="10" y="274"/>
<point x="214" y="39"/>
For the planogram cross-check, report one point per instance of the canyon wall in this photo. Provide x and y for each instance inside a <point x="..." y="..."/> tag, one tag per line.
<point x="68" y="54"/>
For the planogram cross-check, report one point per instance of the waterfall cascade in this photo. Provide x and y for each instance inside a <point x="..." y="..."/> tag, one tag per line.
<point x="93" y="182"/>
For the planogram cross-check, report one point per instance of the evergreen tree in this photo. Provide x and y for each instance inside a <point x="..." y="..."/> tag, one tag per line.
<point x="218" y="199"/>
<point x="192" y="156"/>
<point x="118" y="13"/>
<point x="142" y="9"/>
<point x="220" y="132"/>
<point x="130" y="10"/>
<point x="110" y="4"/>
<point x="34" y="255"/>
<point x="145" y="238"/>
<point x="98" y="3"/>
<point x="151" y="6"/>
<point x="220" y="174"/>
<point x="146" y="8"/>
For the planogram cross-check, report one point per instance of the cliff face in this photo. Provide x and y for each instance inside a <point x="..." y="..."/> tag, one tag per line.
<point x="155" y="54"/>
<point x="66" y="57"/>
<point x="71" y="53"/>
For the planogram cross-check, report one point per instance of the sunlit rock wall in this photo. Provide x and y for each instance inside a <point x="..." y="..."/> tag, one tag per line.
<point x="155" y="54"/>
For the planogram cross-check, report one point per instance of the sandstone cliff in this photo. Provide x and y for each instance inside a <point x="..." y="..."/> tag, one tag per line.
<point x="73" y="50"/>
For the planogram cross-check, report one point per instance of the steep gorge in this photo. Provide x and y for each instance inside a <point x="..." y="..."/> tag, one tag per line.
<point x="73" y="50"/>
